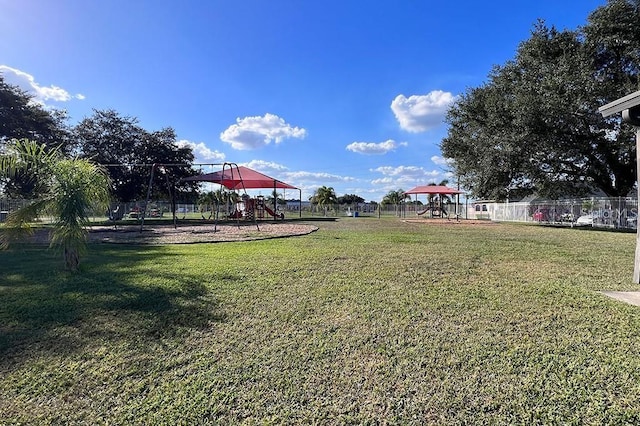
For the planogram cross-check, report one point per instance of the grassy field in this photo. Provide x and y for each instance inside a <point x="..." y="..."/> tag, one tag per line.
<point x="364" y="321"/>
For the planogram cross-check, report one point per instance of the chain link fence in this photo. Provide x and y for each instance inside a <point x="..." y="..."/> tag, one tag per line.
<point x="162" y="209"/>
<point x="617" y="213"/>
<point x="602" y="212"/>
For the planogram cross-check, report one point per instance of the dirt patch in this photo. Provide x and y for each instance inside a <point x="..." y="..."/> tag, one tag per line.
<point x="186" y="234"/>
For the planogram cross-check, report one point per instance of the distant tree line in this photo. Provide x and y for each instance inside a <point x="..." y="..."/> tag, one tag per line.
<point x="325" y="198"/>
<point x="117" y="142"/>
<point x="534" y="126"/>
<point x="106" y="138"/>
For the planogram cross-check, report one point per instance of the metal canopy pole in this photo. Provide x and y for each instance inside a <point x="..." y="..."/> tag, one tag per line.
<point x="146" y="203"/>
<point x="275" y="200"/>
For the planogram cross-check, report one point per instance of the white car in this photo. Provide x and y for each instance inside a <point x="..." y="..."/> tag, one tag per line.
<point x="632" y="220"/>
<point x="585" y="220"/>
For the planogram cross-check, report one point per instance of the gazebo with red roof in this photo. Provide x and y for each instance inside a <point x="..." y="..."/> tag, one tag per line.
<point x="433" y="190"/>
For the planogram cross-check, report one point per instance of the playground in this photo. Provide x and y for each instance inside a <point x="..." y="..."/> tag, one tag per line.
<point x="253" y="208"/>
<point x="238" y="204"/>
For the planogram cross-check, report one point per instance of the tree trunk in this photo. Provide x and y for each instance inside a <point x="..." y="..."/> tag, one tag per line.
<point x="71" y="259"/>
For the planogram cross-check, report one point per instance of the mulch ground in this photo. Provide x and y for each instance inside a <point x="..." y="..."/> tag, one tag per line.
<point x="185" y="234"/>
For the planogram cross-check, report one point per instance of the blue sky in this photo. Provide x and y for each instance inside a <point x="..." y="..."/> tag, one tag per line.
<point x="347" y="94"/>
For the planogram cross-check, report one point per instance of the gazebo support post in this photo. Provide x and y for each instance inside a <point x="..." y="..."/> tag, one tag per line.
<point x="636" y="268"/>
<point x="629" y="106"/>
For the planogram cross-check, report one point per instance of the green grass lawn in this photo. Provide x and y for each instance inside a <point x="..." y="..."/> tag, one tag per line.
<point x="364" y="321"/>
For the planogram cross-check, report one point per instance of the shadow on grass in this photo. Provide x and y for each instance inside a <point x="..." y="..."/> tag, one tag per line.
<point x="46" y="309"/>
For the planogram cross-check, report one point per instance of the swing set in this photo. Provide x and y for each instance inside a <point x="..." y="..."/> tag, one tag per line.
<point x="232" y="177"/>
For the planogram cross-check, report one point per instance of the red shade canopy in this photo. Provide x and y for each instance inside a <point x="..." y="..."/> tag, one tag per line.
<point x="434" y="189"/>
<point x="240" y="177"/>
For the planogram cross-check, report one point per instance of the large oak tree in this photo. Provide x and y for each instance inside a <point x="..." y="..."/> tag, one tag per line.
<point x="127" y="151"/>
<point x="533" y="127"/>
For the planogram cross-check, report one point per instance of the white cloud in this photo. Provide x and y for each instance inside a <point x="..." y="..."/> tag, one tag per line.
<point x="41" y="94"/>
<point x="441" y="161"/>
<point x="255" y="132"/>
<point x="372" y="148"/>
<point x="314" y="177"/>
<point x="405" y="177"/>
<point x="419" y="113"/>
<point x="413" y="172"/>
<point x="201" y="151"/>
<point x="265" y="166"/>
<point x="384" y="181"/>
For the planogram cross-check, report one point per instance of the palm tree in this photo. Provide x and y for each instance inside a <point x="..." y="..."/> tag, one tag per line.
<point x="395" y="198"/>
<point x="213" y="200"/>
<point x="69" y="189"/>
<point x="324" y="197"/>
<point x="207" y="201"/>
<point x="277" y="202"/>
<point x="278" y="197"/>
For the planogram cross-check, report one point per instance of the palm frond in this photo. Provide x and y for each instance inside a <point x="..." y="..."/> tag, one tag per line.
<point x="24" y="154"/>
<point x="74" y="187"/>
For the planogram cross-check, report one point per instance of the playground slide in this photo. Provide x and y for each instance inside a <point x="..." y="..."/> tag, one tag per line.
<point x="275" y="216"/>
<point x="435" y="212"/>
